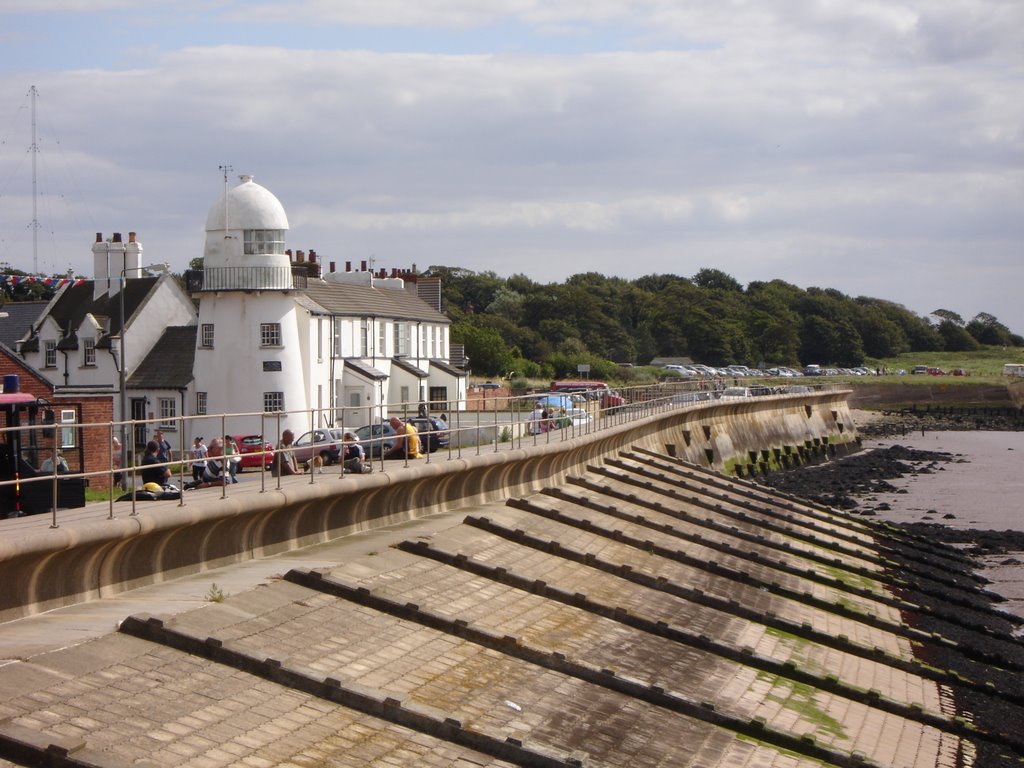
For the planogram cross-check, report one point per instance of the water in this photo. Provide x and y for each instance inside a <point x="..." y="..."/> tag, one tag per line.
<point x="981" y="488"/>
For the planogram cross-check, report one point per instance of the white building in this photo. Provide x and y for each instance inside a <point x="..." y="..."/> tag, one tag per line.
<point x="273" y="337"/>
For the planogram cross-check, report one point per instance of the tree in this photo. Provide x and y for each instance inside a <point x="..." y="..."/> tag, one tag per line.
<point x="986" y="329"/>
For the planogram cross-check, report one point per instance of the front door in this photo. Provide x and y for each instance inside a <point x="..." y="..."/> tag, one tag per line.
<point x="138" y="409"/>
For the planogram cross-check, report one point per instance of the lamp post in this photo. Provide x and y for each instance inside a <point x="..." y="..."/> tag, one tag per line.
<point x="163" y="269"/>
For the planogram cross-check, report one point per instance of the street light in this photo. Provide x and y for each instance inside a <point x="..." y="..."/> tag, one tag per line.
<point x="163" y="269"/>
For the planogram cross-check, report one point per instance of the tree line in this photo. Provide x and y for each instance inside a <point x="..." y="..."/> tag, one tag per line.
<point x="515" y="327"/>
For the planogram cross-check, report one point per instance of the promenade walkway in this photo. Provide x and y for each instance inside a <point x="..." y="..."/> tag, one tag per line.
<point x="641" y="612"/>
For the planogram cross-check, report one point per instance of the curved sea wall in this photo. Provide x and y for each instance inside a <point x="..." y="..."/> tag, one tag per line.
<point x="93" y="556"/>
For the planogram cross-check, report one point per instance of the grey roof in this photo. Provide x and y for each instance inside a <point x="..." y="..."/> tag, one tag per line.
<point x="409" y="368"/>
<point x="20" y="317"/>
<point x="366" y="301"/>
<point x="365" y="370"/>
<point x="169" y="363"/>
<point x="76" y="301"/>
<point x="451" y="370"/>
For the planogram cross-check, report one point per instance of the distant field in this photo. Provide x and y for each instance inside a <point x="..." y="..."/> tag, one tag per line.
<point x="985" y="363"/>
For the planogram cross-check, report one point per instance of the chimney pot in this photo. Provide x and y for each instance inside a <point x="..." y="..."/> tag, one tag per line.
<point x="99" y="237"/>
<point x="362" y="267"/>
<point x="117" y="237"/>
<point x="312" y="256"/>
<point x="131" y="237"/>
<point x="332" y="266"/>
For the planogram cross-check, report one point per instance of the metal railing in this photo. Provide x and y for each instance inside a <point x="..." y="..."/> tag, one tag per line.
<point x="474" y="425"/>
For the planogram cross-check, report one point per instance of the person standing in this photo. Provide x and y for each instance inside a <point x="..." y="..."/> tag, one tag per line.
<point x="117" y="459"/>
<point x="163" y="448"/>
<point x="199" y="453"/>
<point x="232" y="457"/>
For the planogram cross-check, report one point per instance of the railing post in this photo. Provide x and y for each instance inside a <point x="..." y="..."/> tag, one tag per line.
<point x="110" y="442"/>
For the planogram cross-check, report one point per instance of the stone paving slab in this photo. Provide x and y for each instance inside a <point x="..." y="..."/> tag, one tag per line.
<point x="485" y="690"/>
<point x="539" y="622"/>
<point x="750" y="596"/>
<point x="130" y="700"/>
<point x="762" y="570"/>
<point x="713" y="521"/>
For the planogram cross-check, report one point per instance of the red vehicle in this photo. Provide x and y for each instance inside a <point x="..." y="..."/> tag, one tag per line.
<point x="255" y="451"/>
<point x="592" y="390"/>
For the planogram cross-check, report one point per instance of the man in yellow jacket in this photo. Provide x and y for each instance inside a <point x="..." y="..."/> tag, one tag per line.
<point x="407" y="441"/>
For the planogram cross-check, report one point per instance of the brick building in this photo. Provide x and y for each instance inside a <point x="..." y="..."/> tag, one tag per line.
<point x="83" y="447"/>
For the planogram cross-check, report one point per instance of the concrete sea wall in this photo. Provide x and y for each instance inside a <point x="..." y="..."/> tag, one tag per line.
<point x="89" y="556"/>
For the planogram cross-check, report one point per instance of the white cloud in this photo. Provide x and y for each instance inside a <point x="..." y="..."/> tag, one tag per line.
<point x="819" y="142"/>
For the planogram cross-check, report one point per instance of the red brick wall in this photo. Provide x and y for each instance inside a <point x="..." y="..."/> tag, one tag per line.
<point x="92" y="454"/>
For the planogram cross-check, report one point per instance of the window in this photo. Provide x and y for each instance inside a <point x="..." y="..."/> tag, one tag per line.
<point x="401" y="339"/>
<point x="168" y="412"/>
<point x="273" y="402"/>
<point x="338" y="325"/>
<point x="200" y="403"/>
<point x="263" y="240"/>
<point x="89" y="352"/>
<point x="50" y="353"/>
<point x="67" y="434"/>
<point x="206" y="335"/>
<point x="433" y="341"/>
<point x="319" y="339"/>
<point x="270" y="334"/>
<point x="382" y="339"/>
<point x="403" y="394"/>
<point x="364" y="337"/>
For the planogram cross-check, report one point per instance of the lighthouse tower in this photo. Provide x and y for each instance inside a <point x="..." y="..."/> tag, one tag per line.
<point x="248" y="345"/>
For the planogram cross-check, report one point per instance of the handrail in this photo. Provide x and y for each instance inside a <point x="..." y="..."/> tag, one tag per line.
<point x="514" y="417"/>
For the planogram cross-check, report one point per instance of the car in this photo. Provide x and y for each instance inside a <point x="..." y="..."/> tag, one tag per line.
<point x="733" y="393"/>
<point x="376" y="439"/>
<point x="325" y="443"/>
<point x="959" y="372"/>
<point x="254" y="450"/>
<point x="919" y="369"/>
<point x="432" y="431"/>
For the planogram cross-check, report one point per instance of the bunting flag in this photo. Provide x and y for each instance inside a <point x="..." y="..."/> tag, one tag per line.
<point x="50" y="282"/>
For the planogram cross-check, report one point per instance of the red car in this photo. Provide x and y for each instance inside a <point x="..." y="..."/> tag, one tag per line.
<point x="255" y="451"/>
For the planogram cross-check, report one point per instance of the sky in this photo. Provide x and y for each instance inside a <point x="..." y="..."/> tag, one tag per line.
<point x="874" y="147"/>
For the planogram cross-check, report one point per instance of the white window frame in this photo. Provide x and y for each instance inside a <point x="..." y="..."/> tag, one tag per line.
<point x="382" y="339"/>
<point x="364" y="337"/>
<point x="67" y="434"/>
<point x="273" y="402"/>
<point x="200" y="403"/>
<point x="270" y="334"/>
<point x="401" y="339"/>
<point x="259" y="241"/>
<point x="206" y="335"/>
<point x="89" y="352"/>
<point x="168" y="407"/>
<point x="50" y="353"/>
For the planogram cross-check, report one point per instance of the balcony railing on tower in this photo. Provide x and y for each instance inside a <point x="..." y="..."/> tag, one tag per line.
<point x="246" y="279"/>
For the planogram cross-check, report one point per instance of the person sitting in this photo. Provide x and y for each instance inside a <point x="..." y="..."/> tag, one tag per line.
<point x="46" y="468"/>
<point x="353" y="455"/>
<point x="284" y="458"/>
<point x="152" y="471"/>
<point x="213" y="472"/>
<point x="407" y="442"/>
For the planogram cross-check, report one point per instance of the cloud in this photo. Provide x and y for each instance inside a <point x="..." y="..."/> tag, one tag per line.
<point x="812" y="139"/>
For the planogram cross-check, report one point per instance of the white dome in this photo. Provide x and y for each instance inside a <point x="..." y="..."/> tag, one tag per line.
<point x="249" y="206"/>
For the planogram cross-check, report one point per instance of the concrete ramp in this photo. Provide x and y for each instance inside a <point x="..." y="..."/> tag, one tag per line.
<point x="644" y="612"/>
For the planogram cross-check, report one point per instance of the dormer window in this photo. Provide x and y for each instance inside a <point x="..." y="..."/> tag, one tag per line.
<point x="264" y="241"/>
